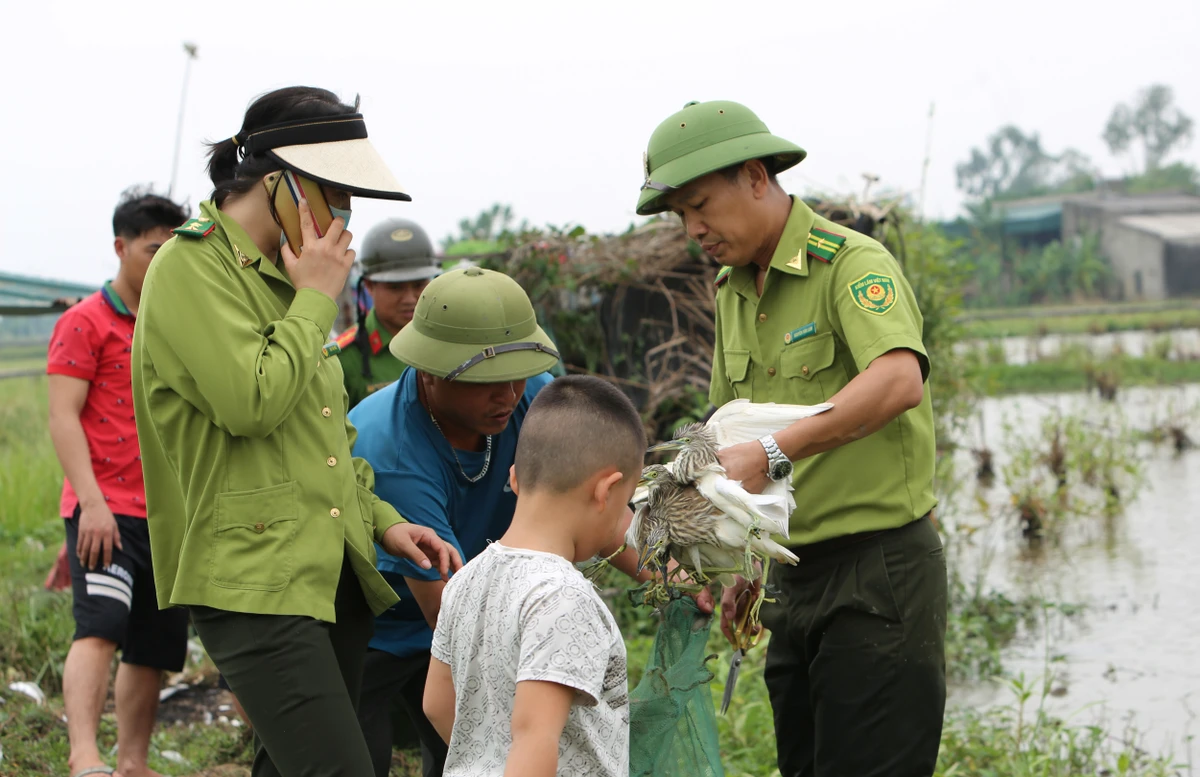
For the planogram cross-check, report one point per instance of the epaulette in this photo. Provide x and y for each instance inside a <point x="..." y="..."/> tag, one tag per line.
<point x="346" y="338"/>
<point x="196" y="228"/>
<point x="722" y="276"/>
<point x="331" y="349"/>
<point x="823" y="245"/>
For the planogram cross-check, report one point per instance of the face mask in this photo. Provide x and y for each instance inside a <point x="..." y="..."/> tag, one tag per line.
<point x="343" y="213"/>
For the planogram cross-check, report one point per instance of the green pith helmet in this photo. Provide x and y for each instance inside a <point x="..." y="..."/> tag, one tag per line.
<point x="703" y="138"/>
<point x="475" y="326"/>
<point x="398" y="250"/>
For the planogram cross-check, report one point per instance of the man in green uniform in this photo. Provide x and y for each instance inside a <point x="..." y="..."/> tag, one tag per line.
<point x="397" y="263"/>
<point x="807" y="312"/>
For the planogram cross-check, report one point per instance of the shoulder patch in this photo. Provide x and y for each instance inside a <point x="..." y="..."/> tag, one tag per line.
<point x="346" y="338"/>
<point x="874" y="293"/>
<point x="823" y="245"/>
<point x="196" y="228"/>
<point x="722" y="276"/>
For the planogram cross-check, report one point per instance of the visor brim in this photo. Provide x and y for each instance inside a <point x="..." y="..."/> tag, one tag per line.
<point x="353" y="166"/>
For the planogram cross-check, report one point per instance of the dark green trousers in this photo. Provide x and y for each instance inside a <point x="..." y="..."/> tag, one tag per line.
<point x="298" y="679"/>
<point x="856" y="666"/>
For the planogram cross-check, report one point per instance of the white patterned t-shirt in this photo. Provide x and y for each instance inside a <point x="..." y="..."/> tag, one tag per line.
<point x="511" y="615"/>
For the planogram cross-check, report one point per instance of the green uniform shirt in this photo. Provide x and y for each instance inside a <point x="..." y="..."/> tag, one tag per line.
<point x="385" y="368"/>
<point x="253" y="497"/>
<point x="825" y="314"/>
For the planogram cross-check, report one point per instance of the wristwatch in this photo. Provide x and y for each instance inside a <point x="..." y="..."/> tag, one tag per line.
<point x="778" y="465"/>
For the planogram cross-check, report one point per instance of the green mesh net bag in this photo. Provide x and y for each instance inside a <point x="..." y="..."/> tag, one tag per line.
<point x="672" y="721"/>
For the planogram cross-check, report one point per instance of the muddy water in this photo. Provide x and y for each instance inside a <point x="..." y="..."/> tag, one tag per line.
<point x="1178" y="344"/>
<point x="1136" y="649"/>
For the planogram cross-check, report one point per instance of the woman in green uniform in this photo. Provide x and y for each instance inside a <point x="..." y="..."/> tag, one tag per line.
<point x="261" y="522"/>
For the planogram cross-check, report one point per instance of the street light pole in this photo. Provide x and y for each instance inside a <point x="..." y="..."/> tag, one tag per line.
<point x="190" y="49"/>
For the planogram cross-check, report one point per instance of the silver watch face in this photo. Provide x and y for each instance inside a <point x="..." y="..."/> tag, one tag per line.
<point x="781" y="470"/>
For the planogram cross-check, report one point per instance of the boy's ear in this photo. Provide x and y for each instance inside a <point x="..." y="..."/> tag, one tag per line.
<point x="512" y="479"/>
<point x="119" y="247"/>
<point x="604" y="486"/>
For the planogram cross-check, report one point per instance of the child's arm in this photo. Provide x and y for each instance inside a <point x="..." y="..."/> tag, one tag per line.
<point x="439" y="698"/>
<point x="539" y="715"/>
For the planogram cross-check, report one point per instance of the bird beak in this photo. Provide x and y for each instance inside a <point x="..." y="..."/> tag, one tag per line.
<point x="646" y="553"/>
<point x="669" y="445"/>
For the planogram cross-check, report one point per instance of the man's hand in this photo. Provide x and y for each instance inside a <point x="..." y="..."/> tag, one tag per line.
<point x="98" y="534"/>
<point x="746" y="462"/>
<point x="733" y="603"/>
<point x="324" y="262"/>
<point x="703" y="598"/>
<point x="419" y="544"/>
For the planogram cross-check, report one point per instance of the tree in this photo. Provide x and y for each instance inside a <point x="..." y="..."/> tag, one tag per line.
<point x="1153" y="121"/>
<point x="490" y="225"/>
<point x="1014" y="164"/>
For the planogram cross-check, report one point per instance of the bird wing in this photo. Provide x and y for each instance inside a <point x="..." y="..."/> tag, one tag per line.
<point x="767" y="510"/>
<point x="743" y="421"/>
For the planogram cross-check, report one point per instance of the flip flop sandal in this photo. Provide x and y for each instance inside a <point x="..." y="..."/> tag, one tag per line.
<point x="94" y="770"/>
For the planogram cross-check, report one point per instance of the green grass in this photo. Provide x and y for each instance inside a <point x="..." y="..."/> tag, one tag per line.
<point x="1035" y="321"/>
<point x="999" y="379"/>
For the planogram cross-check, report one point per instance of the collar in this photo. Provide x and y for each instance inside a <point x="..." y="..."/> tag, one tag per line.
<point x="245" y="251"/>
<point x="114" y="300"/>
<point x="790" y="254"/>
<point x="377" y="336"/>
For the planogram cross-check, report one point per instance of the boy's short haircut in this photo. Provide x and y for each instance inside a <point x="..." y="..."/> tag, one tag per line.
<point x="576" y="426"/>
<point x="141" y="210"/>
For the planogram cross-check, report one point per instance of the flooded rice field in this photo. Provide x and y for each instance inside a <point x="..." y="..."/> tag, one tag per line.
<point x="1176" y="344"/>
<point x="1135" y="649"/>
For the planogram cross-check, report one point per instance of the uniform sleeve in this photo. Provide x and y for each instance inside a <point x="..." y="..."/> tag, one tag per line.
<point x="565" y="639"/>
<point x="873" y="306"/>
<point x="423" y="501"/>
<point x="74" y="347"/>
<point x="720" y="390"/>
<point x="383" y="515"/>
<point x="206" y="345"/>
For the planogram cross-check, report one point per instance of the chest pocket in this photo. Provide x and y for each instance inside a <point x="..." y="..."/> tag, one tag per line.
<point x="811" y="370"/>
<point x="737" y="367"/>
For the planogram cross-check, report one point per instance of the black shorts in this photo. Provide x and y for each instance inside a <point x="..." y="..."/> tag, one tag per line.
<point x="118" y="602"/>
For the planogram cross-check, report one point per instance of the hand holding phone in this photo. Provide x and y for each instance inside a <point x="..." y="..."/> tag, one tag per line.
<point x="324" y="261"/>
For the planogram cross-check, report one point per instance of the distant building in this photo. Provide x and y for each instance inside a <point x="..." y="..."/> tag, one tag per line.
<point x="1152" y="241"/>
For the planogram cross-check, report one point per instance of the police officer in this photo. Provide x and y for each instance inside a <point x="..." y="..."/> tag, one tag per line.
<point x="397" y="263"/>
<point x="808" y="311"/>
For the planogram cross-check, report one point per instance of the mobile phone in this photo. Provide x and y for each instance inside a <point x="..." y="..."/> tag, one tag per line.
<point x="288" y="193"/>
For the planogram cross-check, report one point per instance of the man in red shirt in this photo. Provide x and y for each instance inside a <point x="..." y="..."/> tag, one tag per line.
<point x="104" y="505"/>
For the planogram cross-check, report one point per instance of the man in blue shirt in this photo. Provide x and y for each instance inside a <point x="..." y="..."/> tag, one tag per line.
<point x="441" y="441"/>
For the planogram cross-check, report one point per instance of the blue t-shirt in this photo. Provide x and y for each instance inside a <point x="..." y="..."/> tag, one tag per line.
<point x="416" y="473"/>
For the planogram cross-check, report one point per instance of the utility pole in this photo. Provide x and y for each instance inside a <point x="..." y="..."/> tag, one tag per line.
<point x="925" y="164"/>
<point x="190" y="50"/>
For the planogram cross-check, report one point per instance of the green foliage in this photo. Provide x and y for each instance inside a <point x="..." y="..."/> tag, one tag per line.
<point x="1013" y="164"/>
<point x="493" y="225"/>
<point x="1180" y="177"/>
<point x="1026" y="275"/>
<point x="1152" y="121"/>
<point x="1042" y="321"/>
<point x="1060" y="375"/>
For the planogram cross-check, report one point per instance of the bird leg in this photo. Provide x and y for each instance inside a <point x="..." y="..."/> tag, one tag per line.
<point x="592" y="571"/>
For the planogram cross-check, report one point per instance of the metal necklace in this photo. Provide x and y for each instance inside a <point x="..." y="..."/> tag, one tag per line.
<point x="487" y="456"/>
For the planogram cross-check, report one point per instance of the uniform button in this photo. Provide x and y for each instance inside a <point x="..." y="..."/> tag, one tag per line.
<point x="762" y="317"/>
<point x="259" y="527"/>
<point x="804" y="369"/>
<point x="326" y="412"/>
<point x="771" y="371"/>
<point x="331" y="461"/>
<point x="334" y="512"/>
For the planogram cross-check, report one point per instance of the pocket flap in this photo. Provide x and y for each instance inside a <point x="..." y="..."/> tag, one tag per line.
<point x="807" y="357"/>
<point x="737" y="364"/>
<point x="251" y="509"/>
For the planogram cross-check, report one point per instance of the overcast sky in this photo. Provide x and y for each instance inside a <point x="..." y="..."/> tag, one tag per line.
<point x="548" y="105"/>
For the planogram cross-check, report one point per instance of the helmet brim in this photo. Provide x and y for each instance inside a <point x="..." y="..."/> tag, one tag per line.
<point x="440" y="358"/>
<point x="402" y="274"/>
<point x="687" y="168"/>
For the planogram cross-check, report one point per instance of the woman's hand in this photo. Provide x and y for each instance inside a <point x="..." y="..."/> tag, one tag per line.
<point x="324" y="262"/>
<point x="420" y="544"/>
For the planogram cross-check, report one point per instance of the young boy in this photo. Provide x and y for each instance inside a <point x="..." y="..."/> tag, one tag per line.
<point x="104" y="504"/>
<point x="527" y="674"/>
